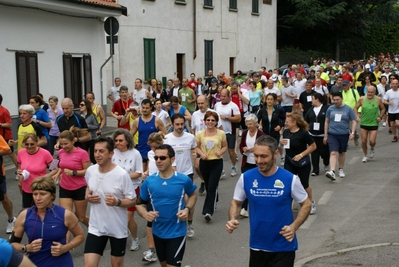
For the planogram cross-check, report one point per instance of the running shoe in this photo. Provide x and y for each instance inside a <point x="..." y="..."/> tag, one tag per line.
<point x="313" y="174"/>
<point x="208" y="217"/>
<point x="313" y="208"/>
<point x="341" y="173"/>
<point x="135" y="244"/>
<point x="395" y="139"/>
<point x="233" y="171"/>
<point x="10" y="225"/>
<point x="202" y="188"/>
<point x="244" y="213"/>
<point x="149" y="256"/>
<point x="223" y="175"/>
<point x="282" y="161"/>
<point x="331" y="175"/>
<point x="384" y="124"/>
<point x="372" y="152"/>
<point x="364" y="160"/>
<point x="190" y="230"/>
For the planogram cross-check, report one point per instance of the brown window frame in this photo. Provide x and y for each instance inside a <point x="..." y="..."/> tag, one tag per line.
<point x="30" y="75"/>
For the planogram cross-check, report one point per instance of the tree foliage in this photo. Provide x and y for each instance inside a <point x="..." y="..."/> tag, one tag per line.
<point x="336" y="25"/>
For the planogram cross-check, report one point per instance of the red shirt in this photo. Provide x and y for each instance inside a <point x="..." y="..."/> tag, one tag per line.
<point x="323" y="82"/>
<point x="267" y="75"/>
<point x="237" y="100"/>
<point x="5" y="118"/>
<point x="192" y="84"/>
<point x="120" y="106"/>
<point x="347" y="76"/>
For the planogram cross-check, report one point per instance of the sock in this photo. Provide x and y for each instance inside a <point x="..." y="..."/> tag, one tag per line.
<point x="190" y="222"/>
<point x="152" y="250"/>
<point x="10" y="220"/>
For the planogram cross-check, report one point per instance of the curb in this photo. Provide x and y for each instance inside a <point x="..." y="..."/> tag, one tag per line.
<point x="301" y="262"/>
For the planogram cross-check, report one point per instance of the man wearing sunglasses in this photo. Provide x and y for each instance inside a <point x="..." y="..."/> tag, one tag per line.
<point x="184" y="145"/>
<point x="164" y="190"/>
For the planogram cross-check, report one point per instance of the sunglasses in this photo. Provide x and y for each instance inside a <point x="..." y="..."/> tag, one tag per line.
<point x="82" y="105"/>
<point x="211" y="120"/>
<point x="160" y="157"/>
<point x="30" y="144"/>
<point x="159" y="83"/>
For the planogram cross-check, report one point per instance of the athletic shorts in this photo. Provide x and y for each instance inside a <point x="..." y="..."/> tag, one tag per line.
<point x="259" y="258"/>
<point x="369" y="128"/>
<point x="137" y="190"/>
<point x="191" y="175"/>
<point x="3" y="187"/>
<point x="27" y="200"/>
<point x="231" y="141"/>
<point x="338" y="142"/>
<point x="393" y="117"/>
<point x="170" y="250"/>
<point x="96" y="244"/>
<point x="78" y="194"/>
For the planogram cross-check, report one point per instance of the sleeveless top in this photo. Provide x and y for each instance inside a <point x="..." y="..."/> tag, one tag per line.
<point x="95" y="113"/>
<point x="145" y="129"/>
<point x="52" y="228"/>
<point x="370" y="112"/>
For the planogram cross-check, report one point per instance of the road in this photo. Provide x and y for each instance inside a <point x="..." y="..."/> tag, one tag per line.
<point x="354" y="216"/>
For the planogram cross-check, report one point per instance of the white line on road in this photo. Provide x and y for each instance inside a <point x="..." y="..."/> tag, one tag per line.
<point x="325" y="197"/>
<point x="308" y="222"/>
<point x="354" y="160"/>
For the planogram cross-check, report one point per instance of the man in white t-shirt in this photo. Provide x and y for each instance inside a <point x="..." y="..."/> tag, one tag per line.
<point x="300" y="86"/>
<point x="321" y="89"/>
<point x="231" y="116"/>
<point x="113" y="92"/>
<point x="270" y="89"/>
<point x="198" y="124"/>
<point x="184" y="145"/>
<point x="391" y="98"/>
<point x="109" y="192"/>
<point x="139" y="93"/>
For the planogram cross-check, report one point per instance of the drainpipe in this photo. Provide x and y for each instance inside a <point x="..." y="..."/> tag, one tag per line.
<point x="195" y="29"/>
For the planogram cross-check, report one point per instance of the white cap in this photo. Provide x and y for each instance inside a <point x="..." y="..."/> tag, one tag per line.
<point x="274" y="77"/>
<point x="367" y="66"/>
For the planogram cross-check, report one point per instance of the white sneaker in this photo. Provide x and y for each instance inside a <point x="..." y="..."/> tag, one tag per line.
<point x="10" y="226"/>
<point x="364" y="160"/>
<point x="190" y="230"/>
<point x="135" y="244"/>
<point x="233" y="171"/>
<point x="384" y="124"/>
<point x="331" y="175"/>
<point x="313" y="208"/>
<point x="341" y="173"/>
<point x="372" y="153"/>
<point x="223" y="175"/>
<point x="244" y="213"/>
<point x="149" y="256"/>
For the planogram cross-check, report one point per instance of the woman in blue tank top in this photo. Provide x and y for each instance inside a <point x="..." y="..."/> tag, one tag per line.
<point x="46" y="226"/>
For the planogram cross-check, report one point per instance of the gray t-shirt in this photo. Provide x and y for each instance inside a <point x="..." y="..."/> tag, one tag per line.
<point x="339" y="119"/>
<point x="336" y="88"/>
<point x="287" y="101"/>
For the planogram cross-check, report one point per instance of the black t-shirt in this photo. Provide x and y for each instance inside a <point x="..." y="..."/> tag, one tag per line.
<point x="299" y="141"/>
<point x="303" y="99"/>
<point x="65" y="123"/>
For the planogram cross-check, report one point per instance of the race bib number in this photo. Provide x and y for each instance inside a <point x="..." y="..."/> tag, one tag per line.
<point x="337" y="117"/>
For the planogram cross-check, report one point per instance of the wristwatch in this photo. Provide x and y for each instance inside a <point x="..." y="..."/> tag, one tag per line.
<point x="119" y="202"/>
<point x="75" y="173"/>
<point x="24" y="249"/>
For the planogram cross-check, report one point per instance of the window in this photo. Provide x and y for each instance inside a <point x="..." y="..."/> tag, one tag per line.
<point x="208" y="3"/>
<point x="149" y="59"/>
<point x="267" y="2"/>
<point x="77" y="77"/>
<point x="182" y="2"/>
<point x="255" y="6"/>
<point x="233" y="5"/>
<point x="27" y="76"/>
<point x="208" y="56"/>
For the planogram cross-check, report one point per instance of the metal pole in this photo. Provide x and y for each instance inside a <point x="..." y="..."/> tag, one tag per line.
<point x="101" y="79"/>
<point x="111" y="42"/>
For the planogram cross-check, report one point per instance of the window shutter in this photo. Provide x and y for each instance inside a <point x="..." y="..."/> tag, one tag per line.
<point x="149" y="59"/>
<point x="68" y="75"/>
<point x="87" y="73"/>
<point x="208" y="56"/>
<point x="27" y="76"/>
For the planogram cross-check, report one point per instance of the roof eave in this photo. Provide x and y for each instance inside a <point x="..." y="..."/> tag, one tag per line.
<point x="122" y="9"/>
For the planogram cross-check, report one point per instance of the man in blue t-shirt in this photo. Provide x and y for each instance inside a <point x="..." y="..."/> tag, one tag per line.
<point x="270" y="191"/>
<point x="165" y="190"/>
<point x="339" y="119"/>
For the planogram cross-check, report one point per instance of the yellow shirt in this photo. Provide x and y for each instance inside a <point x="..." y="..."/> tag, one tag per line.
<point x="211" y="144"/>
<point x="95" y="113"/>
<point x="358" y="83"/>
<point x="377" y="76"/>
<point x="136" y="136"/>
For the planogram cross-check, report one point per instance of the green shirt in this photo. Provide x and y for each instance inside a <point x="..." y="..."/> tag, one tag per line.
<point x="370" y="112"/>
<point x="350" y="97"/>
<point x="186" y="94"/>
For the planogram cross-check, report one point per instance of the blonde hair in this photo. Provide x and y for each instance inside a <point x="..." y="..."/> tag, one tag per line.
<point x="300" y="122"/>
<point x="156" y="138"/>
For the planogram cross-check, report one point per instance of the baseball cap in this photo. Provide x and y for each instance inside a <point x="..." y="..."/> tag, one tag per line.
<point x="214" y="80"/>
<point x="274" y="77"/>
<point x="345" y="82"/>
<point x="367" y="66"/>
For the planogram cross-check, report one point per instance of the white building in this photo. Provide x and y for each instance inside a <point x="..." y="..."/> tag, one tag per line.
<point x="169" y="38"/>
<point x="53" y="48"/>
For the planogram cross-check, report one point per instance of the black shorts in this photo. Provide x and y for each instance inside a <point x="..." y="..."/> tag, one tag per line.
<point x="276" y="259"/>
<point x="393" y="117"/>
<point x="191" y="175"/>
<point x="96" y="244"/>
<point x="149" y="208"/>
<point x="27" y="200"/>
<point x="231" y="141"/>
<point x="170" y="250"/>
<point x="145" y="160"/>
<point x="369" y="128"/>
<point x="78" y="194"/>
<point x="338" y="142"/>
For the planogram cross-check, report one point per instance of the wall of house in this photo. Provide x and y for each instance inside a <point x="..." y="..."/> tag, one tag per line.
<point x="33" y="30"/>
<point x="250" y="39"/>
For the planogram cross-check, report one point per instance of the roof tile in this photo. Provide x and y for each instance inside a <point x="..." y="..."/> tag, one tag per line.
<point x="111" y="3"/>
